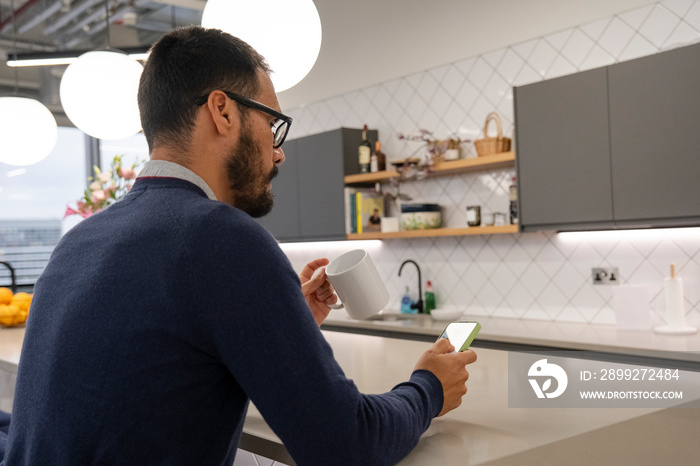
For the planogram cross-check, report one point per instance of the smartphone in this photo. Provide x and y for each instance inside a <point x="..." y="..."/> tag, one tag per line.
<point x="461" y="334"/>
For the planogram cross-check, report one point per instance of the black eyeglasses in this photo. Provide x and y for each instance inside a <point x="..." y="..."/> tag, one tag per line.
<point x="280" y="127"/>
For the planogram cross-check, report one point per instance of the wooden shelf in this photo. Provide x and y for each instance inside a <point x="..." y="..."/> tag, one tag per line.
<point x="436" y="232"/>
<point x="488" y="162"/>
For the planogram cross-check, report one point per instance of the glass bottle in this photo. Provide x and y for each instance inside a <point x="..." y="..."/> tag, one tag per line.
<point x="364" y="152"/>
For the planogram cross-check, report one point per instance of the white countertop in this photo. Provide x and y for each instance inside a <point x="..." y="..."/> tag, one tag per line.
<point x="10" y="348"/>
<point x="484" y="429"/>
<point x="555" y="335"/>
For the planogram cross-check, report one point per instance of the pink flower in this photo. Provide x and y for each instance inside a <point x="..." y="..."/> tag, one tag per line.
<point x="83" y="210"/>
<point x="112" y="188"/>
<point x="95" y="186"/>
<point x="104" y="177"/>
<point x="70" y="211"/>
<point x="98" y="196"/>
<point x="127" y="173"/>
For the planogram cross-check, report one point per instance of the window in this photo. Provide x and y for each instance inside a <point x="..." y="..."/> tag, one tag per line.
<point x="33" y="200"/>
<point x="133" y="149"/>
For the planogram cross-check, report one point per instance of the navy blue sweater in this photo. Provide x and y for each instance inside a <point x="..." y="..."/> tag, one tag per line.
<point x="157" y="320"/>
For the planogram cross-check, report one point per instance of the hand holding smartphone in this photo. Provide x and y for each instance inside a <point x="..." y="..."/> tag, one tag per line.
<point x="461" y="334"/>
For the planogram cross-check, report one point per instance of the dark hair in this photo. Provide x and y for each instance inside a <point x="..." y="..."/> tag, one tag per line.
<point x="185" y="64"/>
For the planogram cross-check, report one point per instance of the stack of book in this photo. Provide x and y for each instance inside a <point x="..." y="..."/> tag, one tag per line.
<point x="364" y="209"/>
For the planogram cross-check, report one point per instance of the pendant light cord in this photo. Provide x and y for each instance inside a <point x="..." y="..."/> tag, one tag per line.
<point x="14" y="28"/>
<point x="109" y="40"/>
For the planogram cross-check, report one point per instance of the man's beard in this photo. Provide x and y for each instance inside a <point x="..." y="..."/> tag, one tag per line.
<point x="249" y="184"/>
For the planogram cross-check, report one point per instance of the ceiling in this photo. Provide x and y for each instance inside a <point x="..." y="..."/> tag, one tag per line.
<point x="365" y="42"/>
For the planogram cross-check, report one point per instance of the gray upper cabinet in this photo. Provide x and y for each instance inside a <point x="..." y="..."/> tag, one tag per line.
<point x="309" y="203"/>
<point x="283" y="222"/>
<point x="612" y="147"/>
<point x="321" y="182"/>
<point x="563" y="152"/>
<point x="655" y="138"/>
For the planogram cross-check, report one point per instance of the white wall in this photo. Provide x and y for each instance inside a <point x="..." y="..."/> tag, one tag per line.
<point x="367" y="42"/>
<point x="535" y="275"/>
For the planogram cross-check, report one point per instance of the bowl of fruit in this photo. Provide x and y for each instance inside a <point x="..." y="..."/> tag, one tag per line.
<point x="14" y="307"/>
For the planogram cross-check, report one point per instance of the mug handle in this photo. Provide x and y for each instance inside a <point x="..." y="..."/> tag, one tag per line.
<point x="336" y="306"/>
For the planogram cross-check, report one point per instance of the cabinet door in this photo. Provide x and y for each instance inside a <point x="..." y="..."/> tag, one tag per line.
<point x="283" y="220"/>
<point x="564" y="152"/>
<point x="655" y="137"/>
<point x="321" y="206"/>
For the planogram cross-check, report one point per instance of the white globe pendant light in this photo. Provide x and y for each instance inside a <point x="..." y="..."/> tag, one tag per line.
<point x="99" y="94"/>
<point x="28" y="131"/>
<point x="286" y="32"/>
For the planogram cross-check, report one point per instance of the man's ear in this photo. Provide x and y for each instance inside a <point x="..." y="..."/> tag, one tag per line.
<point x="222" y="110"/>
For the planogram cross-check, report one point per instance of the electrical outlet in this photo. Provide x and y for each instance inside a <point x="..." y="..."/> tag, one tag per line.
<point x="605" y="276"/>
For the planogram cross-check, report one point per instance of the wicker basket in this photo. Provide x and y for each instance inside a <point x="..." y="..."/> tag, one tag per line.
<point x="488" y="146"/>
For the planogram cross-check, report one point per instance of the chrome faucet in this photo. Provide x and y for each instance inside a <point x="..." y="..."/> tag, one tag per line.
<point x="14" y="278"/>
<point x="418" y="304"/>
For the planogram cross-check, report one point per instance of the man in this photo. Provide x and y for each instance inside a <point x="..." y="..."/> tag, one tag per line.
<point x="157" y="320"/>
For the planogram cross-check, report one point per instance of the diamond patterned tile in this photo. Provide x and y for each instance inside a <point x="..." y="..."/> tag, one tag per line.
<point x="635" y="18"/>
<point x="569" y="280"/>
<point x="543" y="276"/>
<point x="527" y="75"/>
<point x="466" y="66"/>
<point x="558" y="39"/>
<point x="659" y="26"/>
<point x="510" y="66"/>
<point x="542" y="57"/>
<point x="693" y="16"/>
<point x="552" y="301"/>
<point x="595" y="29"/>
<point x="427" y="87"/>
<point x="678" y="7"/>
<point x="519" y="298"/>
<point x="524" y="49"/>
<point x="684" y="34"/>
<point x="616" y="37"/>
<point x="503" y="278"/>
<point x="571" y="314"/>
<point x="496" y="89"/>
<point x="490" y="299"/>
<point x="466" y="96"/>
<point x="481" y="73"/>
<point x="577" y="48"/>
<point x="638" y="47"/>
<point x="439" y="73"/>
<point x="560" y="67"/>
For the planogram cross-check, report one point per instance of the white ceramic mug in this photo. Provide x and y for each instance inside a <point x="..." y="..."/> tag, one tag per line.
<point x="358" y="284"/>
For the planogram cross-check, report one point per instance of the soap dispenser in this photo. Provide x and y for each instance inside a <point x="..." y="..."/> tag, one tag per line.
<point x="406" y="304"/>
<point x="429" y="298"/>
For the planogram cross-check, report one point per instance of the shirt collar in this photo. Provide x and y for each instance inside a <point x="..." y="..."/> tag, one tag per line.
<point x="163" y="168"/>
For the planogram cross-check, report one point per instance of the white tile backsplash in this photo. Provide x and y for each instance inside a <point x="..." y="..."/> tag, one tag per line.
<point x="540" y="276"/>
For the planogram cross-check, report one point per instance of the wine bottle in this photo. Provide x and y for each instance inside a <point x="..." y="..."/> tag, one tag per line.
<point x="381" y="157"/>
<point x="364" y="152"/>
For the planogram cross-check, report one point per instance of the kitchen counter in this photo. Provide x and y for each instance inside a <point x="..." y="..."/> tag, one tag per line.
<point x="484" y="429"/>
<point x="603" y="341"/>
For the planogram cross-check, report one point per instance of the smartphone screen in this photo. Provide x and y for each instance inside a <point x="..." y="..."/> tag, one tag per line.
<point x="461" y="334"/>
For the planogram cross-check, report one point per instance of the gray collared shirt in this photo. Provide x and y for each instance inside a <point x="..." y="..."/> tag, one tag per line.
<point x="173" y="170"/>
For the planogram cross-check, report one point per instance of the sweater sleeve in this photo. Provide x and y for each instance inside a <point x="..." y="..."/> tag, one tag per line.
<point x="264" y="333"/>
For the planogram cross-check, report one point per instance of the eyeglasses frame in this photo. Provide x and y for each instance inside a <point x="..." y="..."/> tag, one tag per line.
<point x="258" y="106"/>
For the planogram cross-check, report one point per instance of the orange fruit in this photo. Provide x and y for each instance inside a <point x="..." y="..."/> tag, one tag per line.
<point x="5" y="295"/>
<point x="7" y="314"/>
<point x="22" y="300"/>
